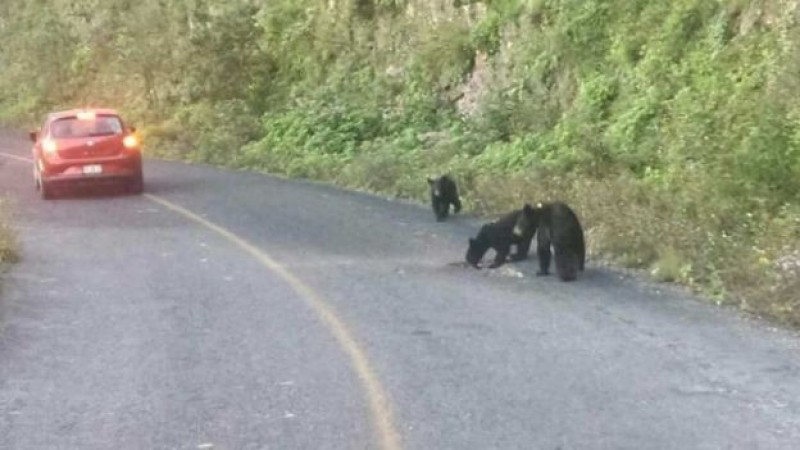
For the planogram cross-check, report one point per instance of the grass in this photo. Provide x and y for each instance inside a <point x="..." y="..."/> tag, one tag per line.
<point x="8" y="239"/>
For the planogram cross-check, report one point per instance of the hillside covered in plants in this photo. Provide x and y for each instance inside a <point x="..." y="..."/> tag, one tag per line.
<point x="673" y="127"/>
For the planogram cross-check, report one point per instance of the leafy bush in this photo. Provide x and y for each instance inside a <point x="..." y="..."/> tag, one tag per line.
<point x="216" y="131"/>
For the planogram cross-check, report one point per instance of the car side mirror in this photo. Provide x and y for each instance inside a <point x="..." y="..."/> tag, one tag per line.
<point x="34" y="135"/>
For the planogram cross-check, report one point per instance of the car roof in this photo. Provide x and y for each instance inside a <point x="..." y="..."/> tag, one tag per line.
<point x="73" y="112"/>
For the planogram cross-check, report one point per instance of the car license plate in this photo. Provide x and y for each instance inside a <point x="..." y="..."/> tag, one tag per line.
<point x="92" y="169"/>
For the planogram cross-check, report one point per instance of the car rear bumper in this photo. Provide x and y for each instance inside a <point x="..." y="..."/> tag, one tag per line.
<point x="102" y="171"/>
<point x="93" y="179"/>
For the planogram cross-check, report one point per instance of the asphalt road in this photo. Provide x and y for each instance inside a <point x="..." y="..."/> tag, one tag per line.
<point x="233" y="310"/>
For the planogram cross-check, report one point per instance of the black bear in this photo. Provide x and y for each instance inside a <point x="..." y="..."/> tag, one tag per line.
<point x="557" y="226"/>
<point x="443" y="194"/>
<point x="515" y="228"/>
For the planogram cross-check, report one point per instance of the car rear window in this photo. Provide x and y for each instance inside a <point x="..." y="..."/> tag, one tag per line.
<point x="72" y="127"/>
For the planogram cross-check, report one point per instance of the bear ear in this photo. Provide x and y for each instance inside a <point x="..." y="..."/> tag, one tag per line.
<point x="430" y="180"/>
<point x="527" y="208"/>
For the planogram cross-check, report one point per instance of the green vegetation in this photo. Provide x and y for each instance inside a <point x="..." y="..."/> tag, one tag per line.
<point x="673" y="127"/>
<point x="8" y="243"/>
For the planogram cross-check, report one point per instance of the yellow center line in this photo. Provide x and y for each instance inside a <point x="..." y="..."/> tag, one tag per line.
<point x="15" y="157"/>
<point x="379" y="402"/>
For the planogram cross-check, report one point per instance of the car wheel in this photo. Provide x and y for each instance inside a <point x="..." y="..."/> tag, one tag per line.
<point x="45" y="190"/>
<point x="136" y="185"/>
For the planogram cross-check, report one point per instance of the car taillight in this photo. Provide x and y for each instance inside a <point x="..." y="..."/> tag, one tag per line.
<point x="130" y="141"/>
<point x="49" y="146"/>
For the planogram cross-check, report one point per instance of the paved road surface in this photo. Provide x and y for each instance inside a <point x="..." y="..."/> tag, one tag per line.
<point x="232" y="310"/>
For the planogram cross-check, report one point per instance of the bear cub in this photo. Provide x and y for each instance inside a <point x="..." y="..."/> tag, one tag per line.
<point x="515" y="228"/>
<point x="558" y="227"/>
<point x="443" y="194"/>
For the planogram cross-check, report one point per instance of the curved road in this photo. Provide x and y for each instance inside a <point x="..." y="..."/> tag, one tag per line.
<point x="233" y="310"/>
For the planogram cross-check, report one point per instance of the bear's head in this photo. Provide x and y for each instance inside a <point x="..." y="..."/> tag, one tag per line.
<point x="477" y="248"/>
<point x="436" y="186"/>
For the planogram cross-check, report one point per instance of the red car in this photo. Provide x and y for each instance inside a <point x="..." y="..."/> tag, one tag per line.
<point x="86" y="146"/>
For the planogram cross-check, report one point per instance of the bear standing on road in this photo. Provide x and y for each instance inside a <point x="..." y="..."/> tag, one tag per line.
<point x="558" y="227"/>
<point x="515" y="228"/>
<point x="443" y="194"/>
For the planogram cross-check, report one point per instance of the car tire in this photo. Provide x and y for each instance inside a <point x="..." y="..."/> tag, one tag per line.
<point x="136" y="185"/>
<point x="45" y="190"/>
